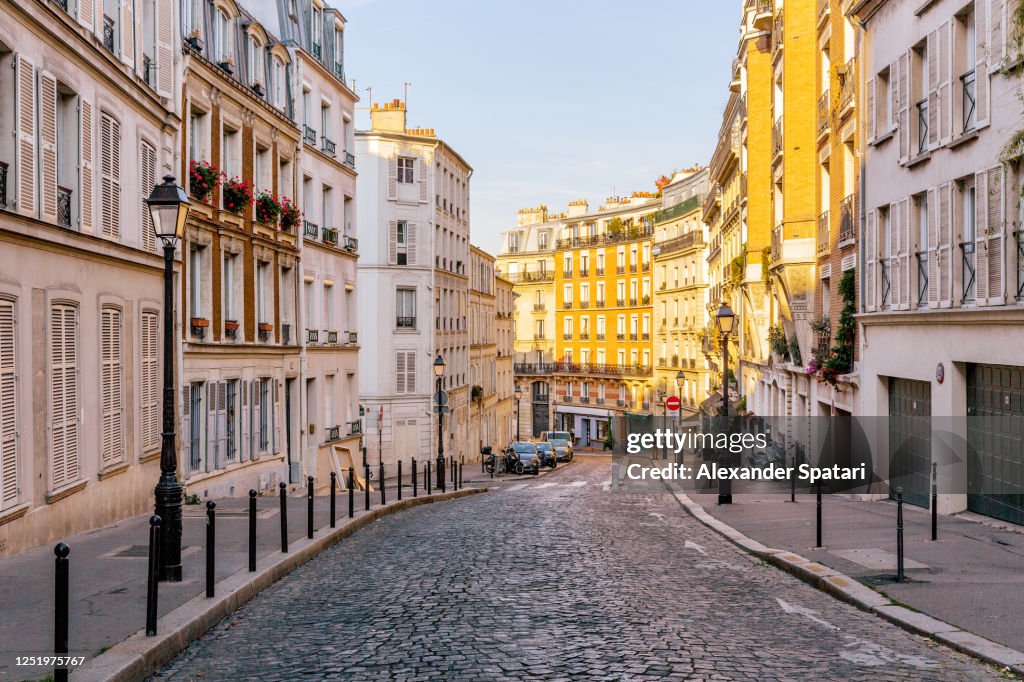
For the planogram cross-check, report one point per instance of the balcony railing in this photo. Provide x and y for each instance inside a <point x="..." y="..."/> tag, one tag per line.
<point x="847" y="221"/>
<point x="312" y="336"/>
<point x="968" y="274"/>
<point x="922" y="278"/>
<point x="310" y="229"/>
<point x="308" y="134"/>
<point x="567" y="337"/>
<point x="332" y="336"/>
<point x="108" y="33"/>
<point x="327" y="146"/>
<point x="599" y="272"/>
<point x="646" y="336"/>
<point x="600" y="303"/>
<point x="355" y="428"/>
<point x="529" y="277"/>
<point x="330" y="235"/>
<point x="587" y="368"/>
<point x="333" y="434"/>
<point x="351" y="244"/>
<point x="632" y="268"/>
<point x="620" y="402"/>
<point x="645" y="266"/>
<point x="824" y="238"/>
<point x="922" y="126"/>
<point x="607" y="238"/>
<point x="633" y="336"/>
<point x="884" y="267"/>
<point x="353" y="338"/>
<point x="584" y="305"/>
<point x="286" y="334"/>
<point x="567" y="305"/>
<point x="695" y="238"/>
<point x="339" y="71"/>
<point x="776" y="244"/>
<point x="846" y="82"/>
<point x="539" y="307"/>
<point x="1019" y="238"/>
<point x="63" y="206"/>
<point x="600" y="336"/>
<point x="823" y="343"/>
<point x="620" y="337"/>
<point x="632" y="300"/>
<point x="539" y="337"/>
<point x="968" y="83"/>
<point x="3" y="183"/>
<point x="405" y="322"/>
<point x="317" y="50"/>
<point x="350" y="160"/>
<point x="584" y="336"/>
<point x="824" y="111"/>
<point x="147" y="69"/>
<point x="777" y="137"/>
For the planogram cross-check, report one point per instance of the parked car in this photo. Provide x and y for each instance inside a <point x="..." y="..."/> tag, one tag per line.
<point x="527" y="456"/>
<point x="547" y="455"/>
<point x="561" y="441"/>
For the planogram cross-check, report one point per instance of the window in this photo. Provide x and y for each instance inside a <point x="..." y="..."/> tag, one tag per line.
<point x="405" y="169"/>
<point x="150" y="426"/>
<point x="8" y="407"/>
<point x="542" y="240"/>
<point x="261" y="170"/>
<point x="147" y="171"/>
<point x="110" y="177"/>
<point x="264" y="313"/>
<point x="405" y="308"/>
<point x="111" y="388"/>
<point x="328" y="307"/>
<point x="231" y="153"/>
<point x="195" y="281"/>
<point x="192" y="409"/>
<point x="567" y="295"/>
<point x="231" y="421"/>
<point x="263" y="401"/>
<point x="221" y="36"/>
<point x="277" y="83"/>
<point x="197" y="135"/>
<point x="255" y="62"/>
<point x="402" y="243"/>
<point x="405" y="372"/>
<point x="64" y="403"/>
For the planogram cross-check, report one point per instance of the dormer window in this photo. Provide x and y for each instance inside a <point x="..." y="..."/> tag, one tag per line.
<point x="256" y="74"/>
<point x="277" y="81"/>
<point x="222" y="37"/>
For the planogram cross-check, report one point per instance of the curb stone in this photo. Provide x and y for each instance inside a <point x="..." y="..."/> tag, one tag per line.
<point x="853" y="592"/>
<point x="140" y="656"/>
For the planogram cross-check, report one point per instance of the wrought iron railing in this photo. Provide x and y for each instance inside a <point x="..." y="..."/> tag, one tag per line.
<point x="824" y="238"/>
<point x="582" y="368"/>
<point x="884" y="267"/>
<point x="846" y="83"/>
<point x="351" y="244"/>
<point x="355" y="427"/>
<point x="528" y="277"/>
<point x="339" y="70"/>
<point x="922" y="126"/>
<point x="968" y="273"/>
<point x="824" y="112"/>
<point x="333" y="433"/>
<point x="108" y="33"/>
<point x="405" y="322"/>
<point x="847" y="220"/>
<point x="777" y="138"/>
<point x="922" y="278"/>
<point x="584" y="272"/>
<point x="606" y="238"/>
<point x="310" y="229"/>
<point x="3" y="183"/>
<point x="312" y="336"/>
<point x="63" y="206"/>
<point x="330" y="235"/>
<point x="600" y="336"/>
<point x="308" y="134"/>
<point x="600" y="303"/>
<point x="353" y="338"/>
<point x="317" y="50"/>
<point x="540" y="307"/>
<point x="332" y="336"/>
<point x="968" y="83"/>
<point x="620" y="269"/>
<point x="350" y="159"/>
<point x="599" y="272"/>
<point x="567" y="305"/>
<point x="823" y="343"/>
<point x="327" y="146"/>
<point x="567" y="274"/>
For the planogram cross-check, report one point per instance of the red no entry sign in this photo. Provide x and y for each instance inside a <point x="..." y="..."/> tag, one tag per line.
<point x="672" y="403"/>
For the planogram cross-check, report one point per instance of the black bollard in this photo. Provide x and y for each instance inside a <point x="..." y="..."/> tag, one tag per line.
<point x="252" y="531"/>
<point x="453" y="471"/>
<point x="211" y="525"/>
<point x="383" y="501"/>
<point x="61" y="601"/>
<point x="284" y="518"/>
<point x="309" y="507"/>
<point x="366" y="485"/>
<point x="935" y="502"/>
<point x="351" y="492"/>
<point x="334" y="484"/>
<point x="399" y="480"/>
<point x="461" y="464"/>
<point x="819" y="515"/>
<point x="153" y="578"/>
<point x="899" y="535"/>
<point x="415" y="490"/>
<point x="426" y="476"/>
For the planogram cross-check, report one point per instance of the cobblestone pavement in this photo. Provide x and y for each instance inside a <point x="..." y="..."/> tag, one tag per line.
<point x="554" y="579"/>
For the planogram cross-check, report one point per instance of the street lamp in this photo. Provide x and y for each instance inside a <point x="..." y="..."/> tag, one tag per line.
<point x="439" y="372"/>
<point x="680" y="382"/>
<point x="519" y="395"/>
<point x="168" y="206"/>
<point x="725" y="319"/>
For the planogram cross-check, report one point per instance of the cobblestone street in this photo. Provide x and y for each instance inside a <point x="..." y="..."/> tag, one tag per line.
<point x="554" y="578"/>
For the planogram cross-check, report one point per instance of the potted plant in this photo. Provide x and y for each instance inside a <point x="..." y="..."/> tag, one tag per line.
<point x="237" y="194"/>
<point x="228" y="64"/>
<point x="231" y="328"/>
<point x="290" y="214"/>
<point x="266" y="327"/>
<point x="194" y="41"/>
<point x="794" y="350"/>
<point x="257" y="87"/>
<point x="777" y="343"/>
<point x="203" y="177"/>
<point x="199" y="325"/>
<point x="267" y="208"/>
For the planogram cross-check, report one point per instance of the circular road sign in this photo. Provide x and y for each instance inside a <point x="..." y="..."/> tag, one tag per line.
<point x="672" y="403"/>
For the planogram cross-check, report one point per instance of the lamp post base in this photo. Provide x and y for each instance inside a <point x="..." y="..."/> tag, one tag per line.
<point x="725" y="498"/>
<point x="168" y="508"/>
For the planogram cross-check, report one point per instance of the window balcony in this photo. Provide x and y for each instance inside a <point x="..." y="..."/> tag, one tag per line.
<point x="332" y="433"/>
<point x="567" y="274"/>
<point x="599" y="272"/>
<point x="63" y="206"/>
<point x="632" y="268"/>
<point x="405" y="322"/>
<point x="353" y="338"/>
<point x="317" y="51"/>
<point x="332" y="336"/>
<point x="584" y="399"/>
<point x="824" y="111"/>
<point x="310" y="229"/>
<point x="539" y="307"/>
<point x="633" y="337"/>
<point x="264" y="330"/>
<point x="968" y="84"/>
<point x="339" y="71"/>
<point x="620" y="337"/>
<point x="632" y="301"/>
<point x="147" y="70"/>
<point x="620" y="402"/>
<point x="539" y="337"/>
<point x="350" y="160"/>
<point x="567" y="337"/>
<point x="763" y="15"/>
<point x="777" y="131"/>
<point x="351" y="244"/>
<point x="584" y="336"/>
<point x="327" y="146"/>
<point x="308" y="134"/>
<point x="584" y="305"/>
<point x="108" y="33"/>
<point x="646" y="336"/>
<point x="4" y="167"/>
<point x="330" y="235"/>
<point x="846" y="78"/>
<point x="286" y="334"/>
<point x="824" y="238"/>
<point x="355" y="428"/>
<point x="312" y="336"/>
<point x="600" y="336"/>
<point x="847" y="221"/>
<point x="620" y="269"/>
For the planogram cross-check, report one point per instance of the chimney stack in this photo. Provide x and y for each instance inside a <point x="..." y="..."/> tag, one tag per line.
<point x="389" y="118"/>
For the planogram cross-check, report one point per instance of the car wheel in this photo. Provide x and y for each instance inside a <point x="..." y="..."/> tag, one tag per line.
<point x="490" y="468"/>
<point x="519" y="468"/>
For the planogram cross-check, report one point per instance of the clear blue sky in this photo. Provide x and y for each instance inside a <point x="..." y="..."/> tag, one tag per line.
<point x="553" y="100"/>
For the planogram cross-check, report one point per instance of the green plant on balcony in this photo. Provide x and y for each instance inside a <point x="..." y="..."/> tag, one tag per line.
<point x="267" y="208"/>
<point x="237" y="194"/>
<point x="736" y="270"/>
<point x="777" y="342"/>
<point x="203" y="178"/>
<point x="840" y="358"/>
<point x="766" y="258"/>
<point x="794" y="350"/>
<point x="609" y="439"/>
<point x="820" y="324"/>
<point x="476" y="393"/>
<point x="616" y="227"/>
<point x="291" y="216"/>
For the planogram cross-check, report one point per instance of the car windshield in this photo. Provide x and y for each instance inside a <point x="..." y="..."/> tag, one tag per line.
<point x="559" y="443"/>
<point x="558" y="435"/>
<point x="524" y="448"/>
<point x="527" y="456"/>
<point x="543" y="447"/>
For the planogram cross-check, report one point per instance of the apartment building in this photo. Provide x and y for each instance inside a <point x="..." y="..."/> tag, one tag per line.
<point x="483" y="352"/>
<point x="414" y="267"/>
<point x="681" y="290"/>
<point x="504" y="408"/>
<point x="330" y="429"/>
<point x="527" y="260"/>
<point x="239" y="314"/>
<point x="942" y="261"/>
<point x="81" y="287"/>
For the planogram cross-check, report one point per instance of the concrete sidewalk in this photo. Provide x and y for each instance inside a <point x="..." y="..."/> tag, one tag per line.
<point x="108" y="571"/>
<point x="971" y="577"/>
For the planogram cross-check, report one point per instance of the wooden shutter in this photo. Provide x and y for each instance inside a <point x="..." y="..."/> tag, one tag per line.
<point x="996" y="237"/>
<point x="164" y="50"/>
<point x="111" y="388"/>
<point x="150" y="387"/>
<point x="8" y="407"/>
<point x="392" y="242"/>
<point x="932" y="87"/>
<point x="245" y="446"/>
<point x="392" y="177"/>
<point x="981" y="70"/>
<point x="400" y="372"/>
<point x="870" y="260"/>
<point x="110" y="177"/>
<point x="25" y="152"/>
<point x="257" y="424"/>
<point x="211" y="425"/>
<point x="147" y="158"/>
<point x="410" y="243"/>
<point x="904" y="240"/>
<point x="47" y="147"/>
<point x="944" y="248"/>
<point x="981" y="237"/>
<point x="410" y="371"/>
<point x="221" y="418"/>
<point x="86" y="16"/>
<point x="186" y="427"/>
<point x="421" y="170"/>
<point x="996" y="34"/>
<point x="64" y="394"/>
<point x="85" y="193"/>
<point x="903" y="116"/>
<point x="275" y="420"/>
<point x="128" y="32"/>
<point x="869" y="111"/>
<point x="945" y="134"/>
<point x="933" y="243"/>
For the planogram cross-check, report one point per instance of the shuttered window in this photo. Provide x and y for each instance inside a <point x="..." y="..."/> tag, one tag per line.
<point x="264" y="407"/>
<point x="25" y="152"/>
<point x="64" y="394"/>
<point x="149" y="384"/>
<point x="111" y="387"/>
<point x="110" y="177"/>
<point x="405" y="371"/>
<point x="8" y="408"/>
<point x="85" y="164"/>
<point x="147" y="171"/>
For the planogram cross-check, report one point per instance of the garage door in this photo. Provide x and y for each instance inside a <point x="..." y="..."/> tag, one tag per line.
<point x="995" y="463"/>
<point x="910" y="442"/>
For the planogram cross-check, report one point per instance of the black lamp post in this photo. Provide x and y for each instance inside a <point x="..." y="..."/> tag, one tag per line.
<point x="438" y="373"/>
<point x="518" y="394"/>
<point x="725" y="318"/>
<point x="680" y="381"/>
<point x="169" y="206"/>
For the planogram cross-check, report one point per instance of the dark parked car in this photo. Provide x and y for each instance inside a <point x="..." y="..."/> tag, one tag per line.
<point x="527" y="455"/>
<point x="546" y="452"/>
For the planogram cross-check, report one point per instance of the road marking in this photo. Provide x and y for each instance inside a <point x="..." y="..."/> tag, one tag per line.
<point x="607" y="485"/>
<point x="805" y="612"/>
<point x="694" y="545"/>
<point x="871" y="654"/>
<point x="576" y="484"/>
<point x="517" y="486"/>
<point x="660" y="517"/>
<point x="546" y="485"/>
